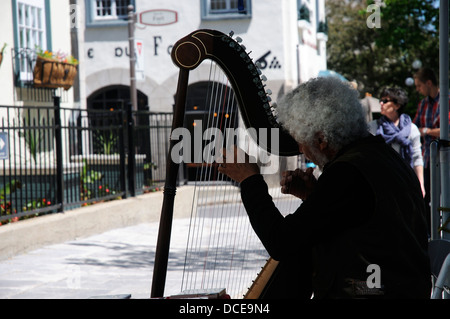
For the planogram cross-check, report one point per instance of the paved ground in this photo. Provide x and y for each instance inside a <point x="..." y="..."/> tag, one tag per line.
<point x="115" y="262"/>
<point x="120" y="261"/>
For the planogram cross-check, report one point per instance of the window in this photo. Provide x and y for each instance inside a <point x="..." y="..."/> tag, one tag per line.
<point x="110" y="9"/>
<point x="226" y="9"/>
<point x="303" y="13"/>
<point x="220" y="6"/>
<point x="30" y="24"/>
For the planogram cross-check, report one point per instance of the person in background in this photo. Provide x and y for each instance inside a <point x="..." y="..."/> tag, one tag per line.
<point x="398" y="130"/>
<point x="427" y="119"/>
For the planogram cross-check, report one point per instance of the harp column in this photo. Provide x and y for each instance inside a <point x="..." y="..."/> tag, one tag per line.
<point x="165" y="225"/>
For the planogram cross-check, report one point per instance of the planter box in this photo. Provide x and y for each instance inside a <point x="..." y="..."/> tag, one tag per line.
<point x="109" y="167"/>
<point x="52" y="74"/>
<point x="38" y="183"/>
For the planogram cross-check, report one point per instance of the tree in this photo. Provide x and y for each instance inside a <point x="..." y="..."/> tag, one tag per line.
<point x="382" y="56"/>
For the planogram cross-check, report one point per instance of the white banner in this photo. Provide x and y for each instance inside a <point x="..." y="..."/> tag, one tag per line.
<point x="139" y="54"/>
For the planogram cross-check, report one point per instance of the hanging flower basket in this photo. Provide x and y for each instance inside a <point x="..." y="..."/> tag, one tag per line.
<point x="1" y="53"/>
<point x="54" y="71"/>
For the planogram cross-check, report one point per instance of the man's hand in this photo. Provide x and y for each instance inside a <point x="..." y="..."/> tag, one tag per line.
<point x="298" y="183"/>
<point x="238" y="168"/>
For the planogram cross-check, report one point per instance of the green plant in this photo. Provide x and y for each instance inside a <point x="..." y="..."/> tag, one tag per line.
<point x="1" y="53"/>
<point x="32" y="139"/>
<point x="147" y="167"/>
<point x="150" y="165"/>
<point x="88" y="177"/>
<point x="56" y="56"/>
<point x="5" y="206"/>
<point x="107" y="141"/>
<point x="105" y="190"/>
<point x="10" y="188"/>
<point x="36" y="203"/>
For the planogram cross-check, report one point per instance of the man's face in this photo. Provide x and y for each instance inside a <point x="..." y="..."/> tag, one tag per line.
<point x="422" y="87"/>
<point x="314" y="154"/>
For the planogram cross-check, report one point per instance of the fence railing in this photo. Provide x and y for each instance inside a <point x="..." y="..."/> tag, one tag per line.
<point x="54" y="159"/>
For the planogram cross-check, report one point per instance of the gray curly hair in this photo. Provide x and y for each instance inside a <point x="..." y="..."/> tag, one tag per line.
<point x="326" y="105"/>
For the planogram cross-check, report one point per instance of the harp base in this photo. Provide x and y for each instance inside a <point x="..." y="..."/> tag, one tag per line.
<point x="255" y="291"/>
<point x="213" y="293"/>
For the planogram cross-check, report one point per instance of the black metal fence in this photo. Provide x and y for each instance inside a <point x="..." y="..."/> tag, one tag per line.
<point x="54" y="159"/>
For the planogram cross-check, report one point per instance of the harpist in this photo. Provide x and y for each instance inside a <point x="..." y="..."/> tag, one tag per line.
<point x="365" y="212"/>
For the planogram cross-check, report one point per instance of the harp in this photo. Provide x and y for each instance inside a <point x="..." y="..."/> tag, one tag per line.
<point x="256" y="112"/>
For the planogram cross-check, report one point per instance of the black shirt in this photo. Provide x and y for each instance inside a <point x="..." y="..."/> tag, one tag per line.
<point x="367" y="209"/>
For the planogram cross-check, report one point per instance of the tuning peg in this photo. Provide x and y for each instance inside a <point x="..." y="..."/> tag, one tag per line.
<point x="231" y="34"/>
<point x="269" y="92"/>
<point x="263" y="78"/>
<point x="243" y="47"/>
<point x="238" y="39"/>
<point x="274" y="105"/>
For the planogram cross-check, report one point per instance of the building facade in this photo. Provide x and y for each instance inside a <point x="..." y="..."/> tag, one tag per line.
<point x="284" y="36"/>
<point x="287" y="38"/>
<point x="29" y="26"/>
<point x="30" y="29"/>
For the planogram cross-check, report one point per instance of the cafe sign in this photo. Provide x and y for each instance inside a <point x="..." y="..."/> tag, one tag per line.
<point x="158" y="17"/>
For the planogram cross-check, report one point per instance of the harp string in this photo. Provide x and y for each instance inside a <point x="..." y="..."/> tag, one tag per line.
<point x="197" y="224"/>
<point x="210" y="258"/>
<point x="206" y="235"/>
<point x="222" y="250"/>
<point x="225" y="105"/>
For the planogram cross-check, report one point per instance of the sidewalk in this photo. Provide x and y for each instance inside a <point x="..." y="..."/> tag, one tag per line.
<point x="108" y="263"/>
<point x="116" y="262"/>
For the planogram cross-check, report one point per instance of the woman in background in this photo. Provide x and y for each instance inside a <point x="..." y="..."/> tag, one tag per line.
<point x="398" y="130"/>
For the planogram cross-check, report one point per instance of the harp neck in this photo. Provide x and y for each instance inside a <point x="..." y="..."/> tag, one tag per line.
<point x="244" y="77"/>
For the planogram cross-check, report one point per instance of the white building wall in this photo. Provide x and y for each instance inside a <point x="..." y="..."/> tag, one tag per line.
<point x="6" y="36"/>
<point x="60" y="40"/>
<point x="312" y="44"/>
<point x="58" y="33"/>
<point x="271" y="33"/>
